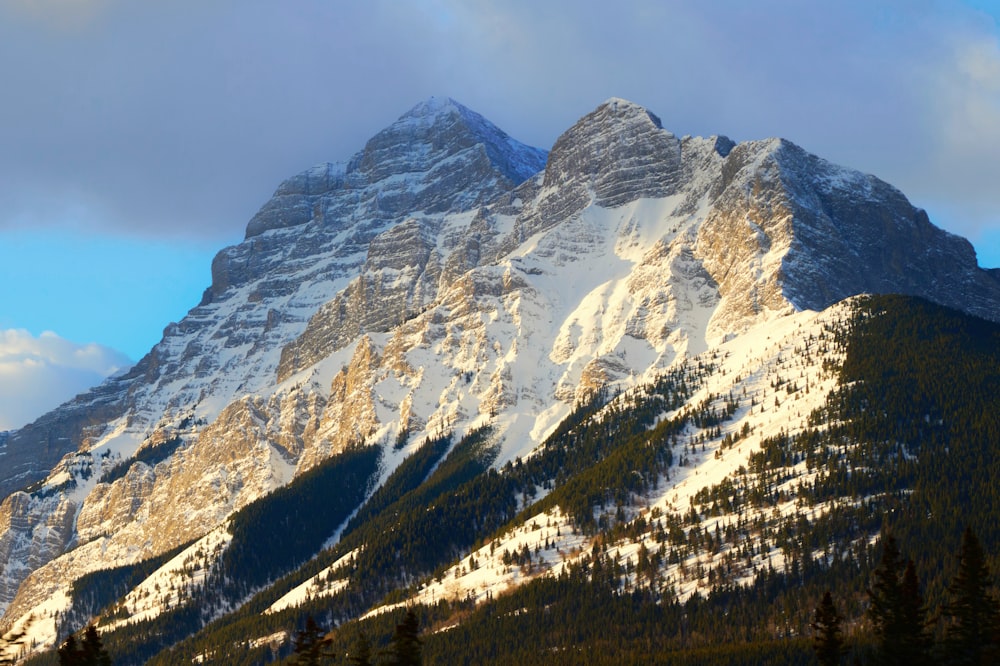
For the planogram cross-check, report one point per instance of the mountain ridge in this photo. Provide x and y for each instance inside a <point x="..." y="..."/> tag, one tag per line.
<point x="388" y="300"/>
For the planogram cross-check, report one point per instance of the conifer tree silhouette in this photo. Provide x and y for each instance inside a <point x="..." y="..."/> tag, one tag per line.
<point x="828" y="642"/>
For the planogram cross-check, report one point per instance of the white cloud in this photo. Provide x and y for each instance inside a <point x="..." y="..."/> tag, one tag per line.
<point x="963" y="102"/>
<point x="40" y="373"/>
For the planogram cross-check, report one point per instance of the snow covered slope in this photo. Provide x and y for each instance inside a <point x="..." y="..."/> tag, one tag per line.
<point x="745" y="371"/>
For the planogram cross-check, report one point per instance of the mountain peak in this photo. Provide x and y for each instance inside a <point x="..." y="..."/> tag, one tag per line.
<point x="430" y="136"/>
<point x="438" y="156"/>
<point x="438" y="119"/>
<point x="622" y="149"/>
<point x="435" y="108"/>
<point x="623" y="108"/>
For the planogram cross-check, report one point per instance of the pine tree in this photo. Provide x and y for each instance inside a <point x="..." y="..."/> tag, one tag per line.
<point x="827" y="640"/>
<point x="885" y="610"/>
<point x="309" y="644"/>
<point x="915" y="641"/>
<point x="90" y="652"/>
<point x="69" y="652"/>
<point x="972" y="634"/>
<point x="94" y="653"/>
<point x="361" y="651"/>
<point x="405" y="647"/>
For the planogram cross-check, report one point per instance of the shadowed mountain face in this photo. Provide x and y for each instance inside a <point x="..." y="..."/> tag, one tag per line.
<point x="444" y="279"/>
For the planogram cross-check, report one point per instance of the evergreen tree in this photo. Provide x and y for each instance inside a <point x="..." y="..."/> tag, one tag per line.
<point x="405" y="647"/>
<point x="972" y="634"/>
<point x="309" y="644"/>
<point x="90" y="652"/>
<point x="827" y="640"/>
<point x="70" y="653"/>
<point x="361" y="651"/>
<point x="915" y="641"/>
<point x="885" y="610"/>
<point x="93" y="650"/>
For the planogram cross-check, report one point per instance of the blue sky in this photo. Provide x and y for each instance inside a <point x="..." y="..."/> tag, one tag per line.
<point x="137" y="139"/>
<point x="82" y="285"/>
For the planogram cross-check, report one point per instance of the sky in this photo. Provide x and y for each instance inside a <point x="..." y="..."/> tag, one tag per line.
<point x="138" y="138"/>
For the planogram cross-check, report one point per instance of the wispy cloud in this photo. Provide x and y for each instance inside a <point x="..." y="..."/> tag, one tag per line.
<point x="40" y="373"/>
<point x="180" y="118"/>
<point x="963" y="109"/>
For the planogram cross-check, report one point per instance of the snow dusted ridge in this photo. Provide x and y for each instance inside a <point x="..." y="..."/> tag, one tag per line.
<point x="325" y="583"/>
<point x="441" y="280"/>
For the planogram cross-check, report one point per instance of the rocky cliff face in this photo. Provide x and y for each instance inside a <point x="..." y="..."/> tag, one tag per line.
<point x="302" y="248"/>
<point x="444" y="278"/>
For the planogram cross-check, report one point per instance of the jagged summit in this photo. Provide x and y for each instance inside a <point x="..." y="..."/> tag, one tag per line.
<point x="623" y="107"/>
<point x="516" y="160"/>
<point x="438" y="156"/>
<point x="433" y="107"/>
<point x="613" y="118"/>
<point x="839" y="232"/>
<point x="440" y="112"/>
<point x="620" y="151"/>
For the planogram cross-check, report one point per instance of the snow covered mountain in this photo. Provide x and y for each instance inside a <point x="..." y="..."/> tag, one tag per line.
<point x="444" y="281"/>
